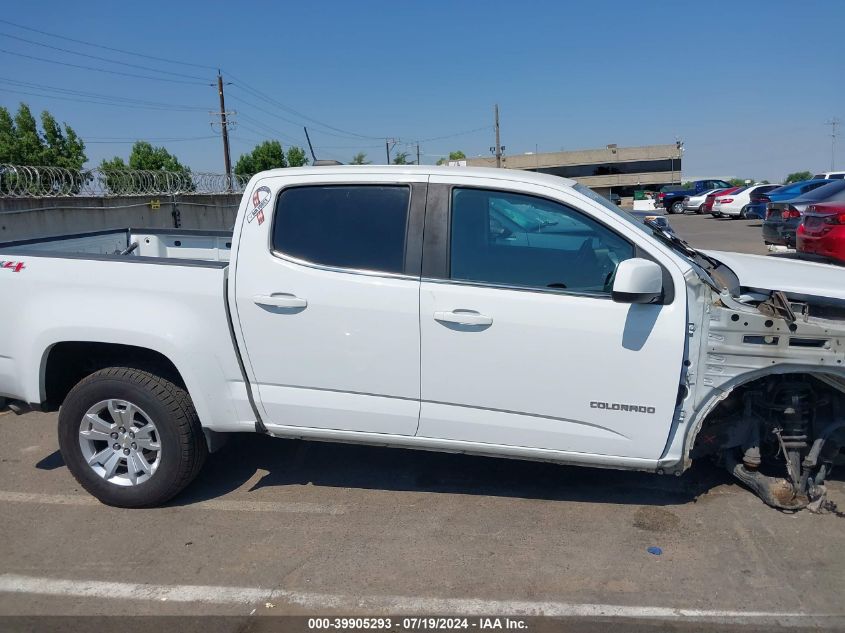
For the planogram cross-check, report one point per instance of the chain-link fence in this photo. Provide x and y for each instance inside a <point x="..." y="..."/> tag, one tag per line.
<point x="18" y="181"/>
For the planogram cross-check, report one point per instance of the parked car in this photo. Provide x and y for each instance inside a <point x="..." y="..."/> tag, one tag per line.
<point x="659" y="219"/>
<point x="735" y="205"/>
<point x="330" y="314"/>
<point x="831" y="175"/>
<point x="696" y="202"/>
<point x="782" y="218"/>
<point x="757" y="205"/>
<point x="822" y="232"/>
<point x="711" y="198"/>
<point x="673" y="199"/>
<point x="714" y="209"/>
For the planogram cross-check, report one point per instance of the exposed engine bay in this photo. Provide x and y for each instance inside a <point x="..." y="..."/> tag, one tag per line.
<point x="780" y="428"/>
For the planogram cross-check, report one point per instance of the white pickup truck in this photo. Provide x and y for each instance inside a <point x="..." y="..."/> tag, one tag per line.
<point x="484" y="311"/>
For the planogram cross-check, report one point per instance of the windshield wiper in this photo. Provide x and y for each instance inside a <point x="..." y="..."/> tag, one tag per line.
<point x="683" y="247"/>
<point x="676" y="242"/>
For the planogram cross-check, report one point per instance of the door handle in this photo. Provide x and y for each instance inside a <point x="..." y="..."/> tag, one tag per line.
<point x="463" y="317"/>
<point x="280" y="300"/>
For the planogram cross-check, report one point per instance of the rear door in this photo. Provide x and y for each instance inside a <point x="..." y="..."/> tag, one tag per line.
<point x="327" y="292"/>
<point x="521" y="343"/>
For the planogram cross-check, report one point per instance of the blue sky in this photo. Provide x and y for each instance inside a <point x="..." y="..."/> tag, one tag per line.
<point x="747" y="85"/>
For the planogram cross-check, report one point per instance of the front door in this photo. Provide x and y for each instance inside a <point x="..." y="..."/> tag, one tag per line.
<point x="521" y="343"/>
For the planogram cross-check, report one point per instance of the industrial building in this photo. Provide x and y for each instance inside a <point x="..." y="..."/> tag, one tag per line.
<point x="611" y="169"/>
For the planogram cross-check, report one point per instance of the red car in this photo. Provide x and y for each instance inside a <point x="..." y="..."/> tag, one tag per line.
<point x="707" y="207"/>
<point x="822" y="232"/>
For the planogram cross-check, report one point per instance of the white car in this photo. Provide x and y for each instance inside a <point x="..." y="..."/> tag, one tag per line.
<point x="733" y="205"/>
<point x="831" y="175"/>
<point x="696" y="202"/>
<point x="488" y="311"/>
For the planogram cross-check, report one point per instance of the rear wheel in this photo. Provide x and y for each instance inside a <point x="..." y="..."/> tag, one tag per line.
<point x="743" y="213"/>
<point x="131" y="438"/>
<point x="677" y="207"/>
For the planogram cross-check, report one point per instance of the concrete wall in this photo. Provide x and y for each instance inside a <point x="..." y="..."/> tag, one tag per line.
<point x="22" y="218"/>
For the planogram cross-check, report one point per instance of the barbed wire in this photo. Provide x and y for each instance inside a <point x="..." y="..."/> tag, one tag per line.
<point x="20" y="181"/>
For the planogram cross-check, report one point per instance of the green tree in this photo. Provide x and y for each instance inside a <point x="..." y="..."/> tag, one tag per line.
<point x="456" y="155"/>
<point x="172" y="175"/>
<point x="268" y="155"/>
<point x="360" y="159"/>
<point x="21" y="143"/>
<point x="146" y="156"/>
<point x="797" y="176"/>
<point x="8" y="146"/>
<point x="401" y="158"/>
<point x="296" y="157"/>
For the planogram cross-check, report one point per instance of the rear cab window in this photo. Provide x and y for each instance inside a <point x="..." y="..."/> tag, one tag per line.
<point x="357" y="227"/>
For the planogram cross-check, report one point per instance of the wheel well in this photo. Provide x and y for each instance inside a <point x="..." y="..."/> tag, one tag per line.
<point x="69" y="362"/>
<point x="727" y="420"/>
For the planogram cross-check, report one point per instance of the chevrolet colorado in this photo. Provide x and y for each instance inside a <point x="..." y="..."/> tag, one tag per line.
<point x="487" y="311"/>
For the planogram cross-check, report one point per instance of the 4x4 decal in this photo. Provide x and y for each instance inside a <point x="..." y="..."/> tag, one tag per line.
<point x="15" y="267"/>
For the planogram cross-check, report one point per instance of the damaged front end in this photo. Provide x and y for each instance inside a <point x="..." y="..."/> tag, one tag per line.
<point x="776" y="363"/>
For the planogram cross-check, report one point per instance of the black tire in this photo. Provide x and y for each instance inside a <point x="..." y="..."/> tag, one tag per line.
<point x="183" y="446"/>
<point x="743" y="213"/>
<point x="677" y="207"/>
<point x="700" y="209"/>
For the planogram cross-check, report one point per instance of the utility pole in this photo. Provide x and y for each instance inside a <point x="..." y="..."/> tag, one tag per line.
<point x="418" y="153"/>
<point x="498" y="142"/>
<point x="388" y="143"/>
<point x="224" y="128"/>
<point x="497" y="149"/>
<point x="833" y="123"/>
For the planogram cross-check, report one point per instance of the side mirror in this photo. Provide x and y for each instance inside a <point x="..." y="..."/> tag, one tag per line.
<point x="637" y="281"/>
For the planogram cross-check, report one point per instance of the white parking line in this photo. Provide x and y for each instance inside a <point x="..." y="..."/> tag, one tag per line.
<point x="12" y="583"/>
<point x="296" y="507"/>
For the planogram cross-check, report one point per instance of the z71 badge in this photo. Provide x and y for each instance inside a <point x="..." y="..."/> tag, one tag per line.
<point x="15" y="267"/>
<point x="260" y="199"/>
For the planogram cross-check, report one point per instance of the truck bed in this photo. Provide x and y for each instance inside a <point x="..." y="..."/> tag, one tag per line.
<point x="167" y="294"/>
<point x="181" y="244"/>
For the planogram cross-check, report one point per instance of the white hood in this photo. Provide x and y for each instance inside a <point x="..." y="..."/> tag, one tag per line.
<point x="790" y="275"/>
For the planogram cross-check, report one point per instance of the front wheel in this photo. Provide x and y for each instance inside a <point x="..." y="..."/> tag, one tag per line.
<point x="131" y="438"/>
<point x="700" y="209"/>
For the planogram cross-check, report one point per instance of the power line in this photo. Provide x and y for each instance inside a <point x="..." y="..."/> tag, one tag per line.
<point x="103" y="59"/>
<point x="119" y="101"/>
<point x="107" y="48"/>
<point x="96" y="102"/>
<point x="119" y="141"/>
<point x="270" y="129"/>
<point x="465" y="132"/>
<point x="101" y="70"/>
<point x="257" y="93"/>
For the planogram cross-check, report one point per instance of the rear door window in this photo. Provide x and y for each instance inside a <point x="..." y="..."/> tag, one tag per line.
<point x="361" y="227"/>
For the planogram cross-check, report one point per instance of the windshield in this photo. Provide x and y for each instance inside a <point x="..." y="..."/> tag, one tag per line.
<point x="615" y="209"/>
<point x="701" y="263"/>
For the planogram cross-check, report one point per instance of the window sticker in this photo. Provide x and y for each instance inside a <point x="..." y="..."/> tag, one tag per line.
<point x="260" y="199"/>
